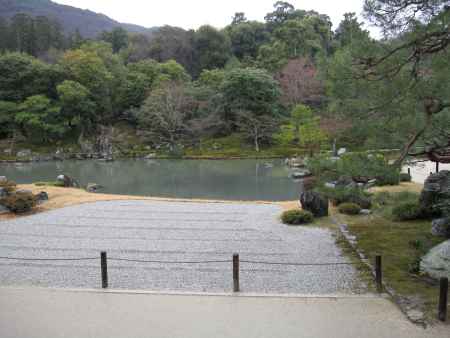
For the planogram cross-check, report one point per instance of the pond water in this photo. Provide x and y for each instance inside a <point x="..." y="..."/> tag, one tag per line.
<point x="266" y="180"/>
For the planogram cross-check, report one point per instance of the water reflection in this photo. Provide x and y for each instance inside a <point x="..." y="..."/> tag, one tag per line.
<point x="231" y="180"/>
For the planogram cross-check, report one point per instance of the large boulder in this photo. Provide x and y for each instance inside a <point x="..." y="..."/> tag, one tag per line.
<point x="435" y="196"/>
<point x="436" y="262"/>
<point x="441" y="227"/>
<point x="66" y="181"/>
<point x="315" y="203"/>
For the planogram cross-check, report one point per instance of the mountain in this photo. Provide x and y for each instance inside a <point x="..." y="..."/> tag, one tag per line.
<point x="90" y="24"/>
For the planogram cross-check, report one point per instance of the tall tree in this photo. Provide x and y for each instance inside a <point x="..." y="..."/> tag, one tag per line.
<point x="118" y="38"/>
<point x="212" y="48"/>
<point x="418" y="54"/>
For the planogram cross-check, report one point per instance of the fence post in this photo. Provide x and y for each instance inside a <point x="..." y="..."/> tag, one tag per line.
<point x="443" y="296"/>
<point x="104" y="266"/>
<point x="437" y="167"/>
<point x="409" y="171"/>
<point x="236" y="273"/>
<point x="378" y="273"/>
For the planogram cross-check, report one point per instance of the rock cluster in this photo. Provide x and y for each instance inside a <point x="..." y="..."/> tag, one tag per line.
<point x="314" y="203"/>
<point x="17" y="200"/>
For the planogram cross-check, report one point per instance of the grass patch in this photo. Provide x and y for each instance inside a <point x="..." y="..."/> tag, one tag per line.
<point x="401" y="244"/>
<point x="236" y="146"/>
<point x="50" y="184"/>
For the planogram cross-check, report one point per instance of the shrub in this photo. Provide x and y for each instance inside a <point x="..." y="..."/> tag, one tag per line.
<point x="369" y="166"/>
<point x="297" y="217"/>
<point x="405" y="177"/>
<point x="349" y="209"/>
<point x="407" y="211"/>
<point x="19" y="202"/>
<point x="9" y="186"/>
<point x="348" y="195"/>
<point x="382" y="198"/>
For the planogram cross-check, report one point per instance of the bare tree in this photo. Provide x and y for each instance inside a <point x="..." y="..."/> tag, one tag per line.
<point x="166" y="113"/>
<point x="300" y="83"/>
<point x="258" y="128"/>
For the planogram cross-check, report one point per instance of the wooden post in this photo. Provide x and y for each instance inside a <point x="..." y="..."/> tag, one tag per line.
<point x="437" y="167"/>
<point x="409" y="171"/>
<point x="378" y="273"/>
<point x="443" y="297"/>
<point x="104" y="266"/>
<point x="236" y="273"/>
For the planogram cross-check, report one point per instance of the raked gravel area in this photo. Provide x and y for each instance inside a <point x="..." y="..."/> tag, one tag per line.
<point x="172" y="231"/>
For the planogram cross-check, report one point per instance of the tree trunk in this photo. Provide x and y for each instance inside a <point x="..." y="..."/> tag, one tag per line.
<point x="256" y="140"/>
<point x="412" y="142"/>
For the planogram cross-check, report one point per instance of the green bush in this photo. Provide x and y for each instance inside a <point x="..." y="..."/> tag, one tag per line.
<point x="9" y="186"/>
<point x="405" y="177"/>
<point x="355" y="195"/>
<point x="19" y="202"/>
<point x="382" y="198"/>
<point x="297" y="217"/>
<point x="349" y="209"/>
<point x="371" y="166"/>
<point x="407" y="211"/>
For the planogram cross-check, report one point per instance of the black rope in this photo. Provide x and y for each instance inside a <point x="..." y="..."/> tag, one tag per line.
<point x="167" y="262"/>
<point x="296" y="264"/>
<point x="49" y="259"/>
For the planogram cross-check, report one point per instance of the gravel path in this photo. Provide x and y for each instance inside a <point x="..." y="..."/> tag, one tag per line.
<point x="172" y="231"/>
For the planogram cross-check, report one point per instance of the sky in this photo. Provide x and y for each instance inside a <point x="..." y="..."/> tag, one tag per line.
<point x="191" y="14"/>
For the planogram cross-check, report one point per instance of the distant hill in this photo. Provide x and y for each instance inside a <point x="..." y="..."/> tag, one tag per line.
<point x="90" y="24"/>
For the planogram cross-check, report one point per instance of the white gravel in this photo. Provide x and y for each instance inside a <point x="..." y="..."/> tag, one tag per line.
<point x="172" y="231"/>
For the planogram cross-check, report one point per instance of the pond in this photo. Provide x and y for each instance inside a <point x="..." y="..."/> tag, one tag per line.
<point x="247" y="180"/>
<point x="266" y="180"/>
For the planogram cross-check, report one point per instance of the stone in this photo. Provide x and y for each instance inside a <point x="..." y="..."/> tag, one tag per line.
<point x="435" y="195"/>
<point x="3" y="209"/>
<point x="341" y="151"/>
<point x="436" y="262"/>
<point x="150" y="156"/>
<point x="330" y="185"/>
<point x="42" y="197"/>
<point x="67" y="181"/>
<point x="3" y="179"/>
<point x="93" y="187"/>
<point x="344" y="181"/>
<point x="315" y="203"/>
<point x="441" y="227"/>
<point x="300" y="174"/>
<point x="3" y="192"/>
<point x="24" y="153"/>
<point x="365" y="212"/>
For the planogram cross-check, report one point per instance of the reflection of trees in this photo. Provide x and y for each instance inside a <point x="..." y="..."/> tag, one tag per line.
<point x="227" y="179"/>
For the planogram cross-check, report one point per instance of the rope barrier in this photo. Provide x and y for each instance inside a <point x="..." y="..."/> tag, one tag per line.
<point x="297" y="264"/>
<point x="167" y="262"/>
<point x="49" y="259"/>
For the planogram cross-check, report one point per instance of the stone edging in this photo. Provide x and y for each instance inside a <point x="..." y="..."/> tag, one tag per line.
<point x="410" y="309"/>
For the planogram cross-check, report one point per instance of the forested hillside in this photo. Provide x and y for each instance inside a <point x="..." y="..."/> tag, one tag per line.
<point x="287" y="84"/>
<point x="71" y="19"/>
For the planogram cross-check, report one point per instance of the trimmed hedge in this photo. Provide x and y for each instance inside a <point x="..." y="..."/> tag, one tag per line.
<point x="297" y="217"/>
<point x="349" y="209"/>
<point x="405" y="177"/>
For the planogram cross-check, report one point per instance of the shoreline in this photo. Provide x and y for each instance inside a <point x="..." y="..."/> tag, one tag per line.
<point x="66" y="197"/>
